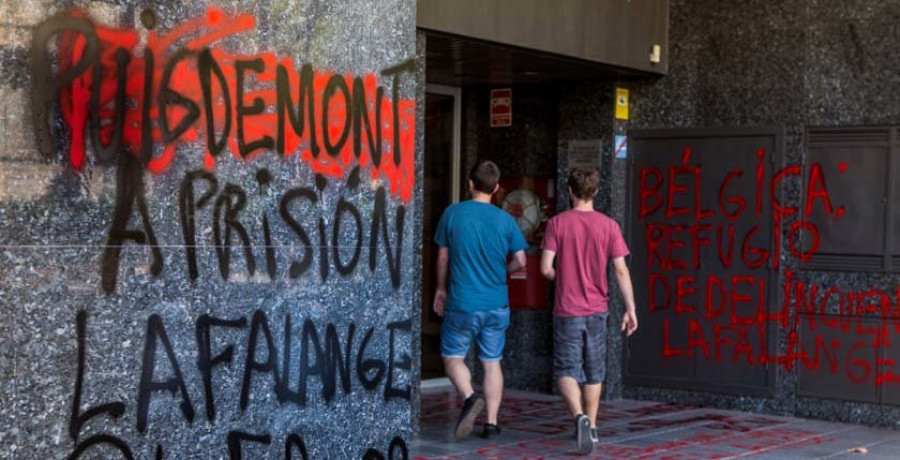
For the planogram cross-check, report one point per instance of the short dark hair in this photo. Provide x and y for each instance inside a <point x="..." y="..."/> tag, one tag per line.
<point x="584" y="182"/>
<point x="484" y="176"/>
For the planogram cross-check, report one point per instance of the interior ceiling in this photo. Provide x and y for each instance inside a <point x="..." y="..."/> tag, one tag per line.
<point x="460" y="61"/>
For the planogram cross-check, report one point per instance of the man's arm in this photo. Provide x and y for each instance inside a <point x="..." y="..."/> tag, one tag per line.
<point x="623" y="278"/>
<point x="440" y="297"/>
<point x="547" y="258"/>
<point x="518" y="263"/>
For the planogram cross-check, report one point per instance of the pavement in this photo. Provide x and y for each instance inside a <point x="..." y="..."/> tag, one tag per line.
<point x="537" y="426"/>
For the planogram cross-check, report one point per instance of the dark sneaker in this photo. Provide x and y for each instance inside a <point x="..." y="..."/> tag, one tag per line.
<point x="490" y="431"/>
<point x="471" y="408"/>
<point x="594" y="437"/>
<point x="584" y="445"/>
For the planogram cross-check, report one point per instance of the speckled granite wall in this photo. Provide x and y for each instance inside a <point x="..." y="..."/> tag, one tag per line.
<point x="796" y="63"/>
<point x="524" y="149"/>
<point x="296" y="329"/>
<point x="419" y="204"/>
<point x="527" y="148"/>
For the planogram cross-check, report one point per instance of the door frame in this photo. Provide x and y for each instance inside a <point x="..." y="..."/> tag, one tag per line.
<point x="456" y="160"/>
<point x="455" y="166"/>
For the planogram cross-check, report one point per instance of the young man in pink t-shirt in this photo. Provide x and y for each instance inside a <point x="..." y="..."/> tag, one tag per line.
<point x="582" y="241"/>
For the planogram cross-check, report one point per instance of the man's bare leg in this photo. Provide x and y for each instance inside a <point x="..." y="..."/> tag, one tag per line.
<point x="592" y="401"/>
<point x="493" y="389"/>
<point x="571" y="394"/>
<point x="459" y="375"/>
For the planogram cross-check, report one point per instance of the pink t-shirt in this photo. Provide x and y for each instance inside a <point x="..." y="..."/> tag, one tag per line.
<point x="584" y="243"/>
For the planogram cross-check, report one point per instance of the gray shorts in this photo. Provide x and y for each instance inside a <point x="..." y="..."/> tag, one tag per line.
<point x="579" y="348"/>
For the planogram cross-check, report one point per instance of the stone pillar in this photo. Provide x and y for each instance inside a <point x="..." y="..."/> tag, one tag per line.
<point x="207" y="228"/>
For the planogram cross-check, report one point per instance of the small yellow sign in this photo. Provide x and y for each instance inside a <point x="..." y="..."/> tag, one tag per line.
<point x="621" y="104"/>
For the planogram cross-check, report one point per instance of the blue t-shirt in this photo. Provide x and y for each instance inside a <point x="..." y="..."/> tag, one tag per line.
<point x="480" y="237"/>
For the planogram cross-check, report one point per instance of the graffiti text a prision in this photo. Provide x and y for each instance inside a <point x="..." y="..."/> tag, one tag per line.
<point x="129" y="92"/>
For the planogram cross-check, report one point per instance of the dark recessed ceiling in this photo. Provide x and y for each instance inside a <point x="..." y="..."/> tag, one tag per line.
<point x="459" y="61"/>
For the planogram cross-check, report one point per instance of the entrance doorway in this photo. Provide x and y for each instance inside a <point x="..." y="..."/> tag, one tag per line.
<point x="442" y="164"/>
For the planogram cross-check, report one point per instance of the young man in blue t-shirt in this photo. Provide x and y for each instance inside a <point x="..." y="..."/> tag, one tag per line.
<point x="475" y="240"/>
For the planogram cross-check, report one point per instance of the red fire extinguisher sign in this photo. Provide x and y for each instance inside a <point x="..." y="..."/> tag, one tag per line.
<point x="501" y="108"/>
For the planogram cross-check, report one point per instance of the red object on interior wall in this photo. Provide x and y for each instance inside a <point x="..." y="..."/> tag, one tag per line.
<point x="529" y="290"/>
<point x="501" y="108"/>
<point x="531" y="201"/>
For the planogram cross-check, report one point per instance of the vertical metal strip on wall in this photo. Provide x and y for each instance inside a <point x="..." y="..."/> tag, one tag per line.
<point x="890" y="205"/>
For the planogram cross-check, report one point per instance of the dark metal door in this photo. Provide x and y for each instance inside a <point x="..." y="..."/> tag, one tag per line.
<point x="700" y="228"/>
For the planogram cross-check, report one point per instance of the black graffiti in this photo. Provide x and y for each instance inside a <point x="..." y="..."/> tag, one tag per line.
<point x="397" y="449"/>
<point x="395" y="72"/>
<point x="294" y="447"/>
<point x="156" y="333"/>
<point x="257" y="107"/>
<point x="102" y="440"/>
<point x="264" y="178"/>
<point x="79" y="418"/>
<point x="285" y="106"/>
<point x="107" y="138"/>
<point x="129" y="192"/>
<point x="229" y="203"/>
<point x="147" y="128"/>
<point x="301" y="116"/>
<point x="298" y="268"/>
<point x="365" y="366"/>
<point x="345" y="207"/>
<point x="361" y="120"/>
<point x="336" y="83"/>
<point x="108" y="152"/>
<point x="205" y="361"/>
<point x="259" y="324"/>
<point x="328" y="360"/>
<point x="379" y="221"/>
<point x="46" y="86"/>
<point x="236" y="439"/>
<point x="187" y="209"/>
<point x="233" y="200"/>
<point x="167" y="96"/>
<point x="295" y="442"/>
<point x="331" y="361"/>
<point x="206" y="67"/>
<point x="397" y="444"/>
<point x="324" y="266"/>
<point x="309" y="341"/>
<point x="404" y="364"/>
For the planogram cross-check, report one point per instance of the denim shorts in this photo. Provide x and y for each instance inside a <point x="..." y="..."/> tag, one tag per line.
<point x="487" y="328"/>
<point x="579" y="348"/>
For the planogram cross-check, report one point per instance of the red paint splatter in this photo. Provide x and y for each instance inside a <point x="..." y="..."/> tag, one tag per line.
<point x="394" y="167"/>
<point x="700" y="312"/>
<point x="839" y="212"/>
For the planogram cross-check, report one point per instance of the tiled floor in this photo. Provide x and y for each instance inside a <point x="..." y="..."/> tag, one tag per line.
<point x="537" y="427"/>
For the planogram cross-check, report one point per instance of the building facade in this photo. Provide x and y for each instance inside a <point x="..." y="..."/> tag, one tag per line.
<point x="216" y="217"/>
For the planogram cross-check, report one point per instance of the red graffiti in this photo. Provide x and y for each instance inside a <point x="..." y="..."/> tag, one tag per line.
<point x="182" y="87"/>
<point x="667" y="243"/>
<point x="736" y="306"/>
